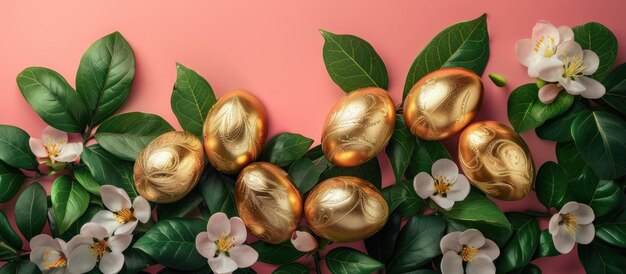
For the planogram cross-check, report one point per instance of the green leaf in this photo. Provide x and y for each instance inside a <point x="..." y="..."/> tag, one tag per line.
<point x="11" y="179"/>
<point x="526" y="111"/>
<point x="172" y="243"/>
<point x="14" y="148"/>
<point x="74" y="229"/>
<point x="400" y="148"/>
<point x="599" y="137"/>
<point x="520" y="248"/>
<point x="613" y="233"/>
<point x="84" y="178"/>
<point x="203" y="270"/>
<point x="478" y="212"/>
<point x="127" y="134"/>
<point x="218" y="192"/>
<point x="557" y="129"/>
<point x="599" y="39"/>
<point x="546" y="246"/>
<point x="108" y="170"/>
<point x="192" y="99"/>
<point x="8" y="234"/>
<point x="528" y="269"/>
<point x="305" y="174"/>
<point x="7" y="252"/>
<point x="498" y="79"/>
<point x="179" y="208"/>
<point x="599" y="259"/>
<point x="601" y="195"/>
<point x="405" y="200"/>
<point x="276" y="254"/>
<point x="424" y="155"/>
<point x="292" y="268"/>
<point x="54" y="100"/>
<point x="352" y="62"/>
<point x="69" y="201"/>
<point x="551" y="184"/>
<point x="572" y="162"/>
<point x="20" y="267"/>
<point x="345" y="260"/>
<point x="31" y="210"/>
<point x="417" y="244"/>
<point x="135" y="260"/>
<point x="105" y="76"/>
<point x="465" y="44"/>
<point x="285" y="148"/>
<point x="615" y="84"/>
<point x="381" y="245"/>
<point x="369" y="171"/>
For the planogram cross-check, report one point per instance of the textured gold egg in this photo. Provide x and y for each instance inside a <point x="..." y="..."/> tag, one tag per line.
<point x="442" y="103"/>
<point x="358" y="127"/>
<point x="169" y="167"/>
<point x="234" y="131"/>
<point x="268" y="202"/>
<point x="496" y="160"/>
<point x="345" y="209"/>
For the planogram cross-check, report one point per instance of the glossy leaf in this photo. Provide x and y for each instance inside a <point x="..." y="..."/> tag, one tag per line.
<point x="85" y="179"/>
<point x="108" y="170"/>
<point x="20" y="267"/>
<point x="305" y="174"/>
<point x="344" y="260"/>
<point x="11" y="179"/>
<point x="31" y="210"/>
<point x="528" y="269"/>
<point x="218" y="192"/>
<point x="601" y="195"/>
<point x="8" y="234"/>
<point x="369" y="171"/>
<point x="381" y="245"/>
<point x="405" y="200"/>
<point x="74" y="229"/>
<point x="551" y="184"/>
<point x="135" y="260"/>
<point x="14" y="148"/>
<point x="276" y="254"/>
<point x="600" y="259"/>
<point x="285" y="148"/>
<point x="69" y="201"/>
<point x="352" y="62"/>
<point x="192" y="99"/>
<point x="568" y="154"/>
<point x="417" y="243"/>
<point x="546" y="246"/>
<point x="179" y="208"/>
<point x="424" y="155"/>
<point x="557" y="129"/>
<point x="519" y="250"/>
<point x="615" y="84"/>
<point x="613" y="233"/>
<point x="292" y="268"/>
<point x="400" y="148"/>
<point x="599" y="39"/>
<point x="526" y="111"/>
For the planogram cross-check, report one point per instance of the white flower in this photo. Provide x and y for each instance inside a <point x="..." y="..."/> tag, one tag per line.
<point x="223" y="244"/>
<point x="469" y="247"/>
<point x="540" y="50"/>
<point x="122" y="216"/>
<point x="572" y="224"/>
<point x="93" y="245"/>
<point x="303" y="241"/>
<point x="49" y="254"/>
<point x="53" y="147"/>
<point x="446" y="187"/>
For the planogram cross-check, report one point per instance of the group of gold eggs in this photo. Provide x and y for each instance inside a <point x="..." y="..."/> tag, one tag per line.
<point x="357" y="128"/>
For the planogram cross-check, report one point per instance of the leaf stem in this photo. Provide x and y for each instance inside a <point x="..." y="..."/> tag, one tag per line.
<point x="316" y="259"/>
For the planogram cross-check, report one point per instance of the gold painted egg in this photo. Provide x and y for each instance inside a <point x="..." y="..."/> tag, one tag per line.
<point x="496" y="160"/>
<point x="268" y="202"/>
<point x="442" y="103"/>
<point x="234" y="131"/>
<point x="358" y="127"/>
<point x="345" y="209"/>
<point x="169" y="167"/>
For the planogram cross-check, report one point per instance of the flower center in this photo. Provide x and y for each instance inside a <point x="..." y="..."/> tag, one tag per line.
<point x="54" y="148"/>
<point x="468" y="253"/>
<point x="124" y="215"/>
<point x="98" y="248"/>
<point x="60" y="262"/>
<point x="573" y="67"/>
<point x="545" y="46"/>
<point x="224" y="244"/>
<point x="569" y="221"/>
<point x="442" y="185"/>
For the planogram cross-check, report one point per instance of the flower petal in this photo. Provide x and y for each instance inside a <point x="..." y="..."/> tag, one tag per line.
<point x="563" y="242"/>
<point x="472" y="237"/>
<point x="451" y="263"/>
<point x="238" y="230"/>
<point x="553" y="226"/>
<point x="205" y="247"/>
<point x="36" y="146"/>
<point x="111" y="263"/>
<point x="77" y="241"/>
<point x="593" y="88"/>
<point x="450" y="242"/>
<point x="525" y="53"/>
<point x="549" y="92"/>
<point x="585" y="234"/>
<point x="218" y="226"/>
<point x="573" y="87"/>
<point x="548" y="69"/>
<point x="222" y="264"/>
<point x="460" y="189"/>
<point x="544" y="29"/>
<point x="127" y="228"/>
<point x="94" y="230"/>
<point x="43" y="255"/>
<point x="569" y="207"/>
<point x="303" y="241"/>
<point x="565" y="33"/>
<point x="569" y="49"/>
<point x="107" y="220"/>
<point x="481" y="265"/>
<point x="114" y="198"/>
<point x="423" y="185"/>
<point x="44" y="240"/>
<point x="81" y="260"/>
<point x="446" y="168"/>
<point x="141" y="209"/>
<point x="592" y="61"/>
<point x="244" y="255"/>
<point x="443" y="202"/>
<point x="52" y="135"/>
<point x="119" y="243"/>
<point x="490" y="248"/>
<point x="69" y="153"/>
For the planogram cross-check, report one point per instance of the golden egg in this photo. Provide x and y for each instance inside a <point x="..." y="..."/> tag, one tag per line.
<point x="496" y="160"/>
<point x="234" y="131"/>
<point x="358" y="127"/>
<point x="345" y="209"/>
<point x="268" y="202"/>
<point x="169" y="167"/>
<point x="442" y="103"/>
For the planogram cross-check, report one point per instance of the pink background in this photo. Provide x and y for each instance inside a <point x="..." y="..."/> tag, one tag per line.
<point x="273" y="49"/>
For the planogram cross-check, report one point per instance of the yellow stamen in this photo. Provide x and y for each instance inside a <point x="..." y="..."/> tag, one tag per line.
<point x="569" y="222"/>
<point x="124" y="215"/>
<point x="573" y="67"/>
<point x="442" y="185"/>
<point x="545" y="46"/>
<point x="98" y="248"/>
<point x="468" y="253"/>
<point x="224" y="244"/>
<point x="58" y="263"/>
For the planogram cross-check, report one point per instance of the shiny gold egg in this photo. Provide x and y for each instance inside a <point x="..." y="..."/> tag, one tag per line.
<point x="358" y="127"/>
<point x="234" y="131"/>
<point x="268" y="202"/>
<point x="345" y="209"/>
<point x="169" y="167"/>
<point x="496" y="160"/>
<point x="442" y="103"/>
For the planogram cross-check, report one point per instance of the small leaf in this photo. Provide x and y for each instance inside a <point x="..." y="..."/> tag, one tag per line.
<point x="192" y="99"/>
<point x="85" y="179"/>
<point x="285" y="148"/>
<point x="352" y="62"/>
<point x="276" y="254"/>
<point x="69" y="201"/>
<point x="381" y="244"/>
<point x="31" y="210"/>
<point x="11" y="179"/>
<point x="369" y="171"/>
<point x="520" y="248"/>
<point x="218" y="192"/>
<point x="8" y="234"/>
<point x="417" y="244"/>
<point x="292" y="268"/>
<point x="551" y="184"/>
<point x="108" y="170"/>
<point x="546" y="246"/>
<point x="179" y="208"/>
<point x="14" y="148"/>
<point x="615" y="84"/>
<point x="305" y="174"/>
<point x="498" y="79"/>
<point x="526" y="111"/>
<point x="400" y="148"/>
<point x="7" y="253"/>
<point x="599" y="39"/>
<point x="345" y="260"/>
<point x="557" y="129"/>
<point x="424" y="155"/>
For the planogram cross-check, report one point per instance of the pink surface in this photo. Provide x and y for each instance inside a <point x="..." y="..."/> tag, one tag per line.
<point x="273" y="49"/>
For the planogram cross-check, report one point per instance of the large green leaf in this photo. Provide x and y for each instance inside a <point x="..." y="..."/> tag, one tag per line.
<point x="305" y="174"/>
<point x="345" y="260"/>
<point x="478" y="212"/>
<point x="381" y="245"/>
<point x="292" y="268"/>
<point x="20" y="267"/>
<point x="599" y="39"/>
<point x="172" y="243"/>
<point x="573" y="163"/>
<point x="31" y="210"/>
<point x="11" y="179"/>
<point x="405" y="200"/>
<point x="613" y="233"/>
<point x="74" y="229"/>
<point x="465" y="44"/>
<point x="192" y="99"/>
<point x="14" y="148"/>
<point x="285" y="148"/>
<point x="105" y="76"/>
<point x="127" y="134"/>
<point x="615" y="84"/>
<point x="400" y="148"/>
<point x="551" y="184"/>
<point x="108" y="170"/>
<point x="54" y="100"/>
<point x="84" y="178"/>
<point x="135" y="260"/>
<point x="601" y="195"/>
<point x="557" y="129"/>
<point x="179" y="208"/>
<point x="8" y="234"/>
<point x="526" y="111"/>
<point x="600" y="259"/>
<point x="276" y="254"/>
<point x="424" y="155"/>
<point x="599" y="137"/>
<point x="218" y="192"/>
<point x="546" y="246"/>
<point x="417" y="243"/>
<point x="352" y="62"/>
<point x="520" y="248"/>
<point x="69" y="201"/>
<point x="369" y="171"/>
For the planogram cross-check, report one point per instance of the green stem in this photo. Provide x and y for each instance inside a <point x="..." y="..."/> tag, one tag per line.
<point x="316" y="259"/>
<point x="87" y="135"/>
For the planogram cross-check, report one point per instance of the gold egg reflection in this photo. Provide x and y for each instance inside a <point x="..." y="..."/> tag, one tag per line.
<point x="442" y="103"/>
<point x="496" y="160"/>
<point x="169" y="167"/>
<point x="345" y="209"/>
<point x="358" y="127"/>
<point x="234" y="131"/>
<point x="268" y="202"/>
